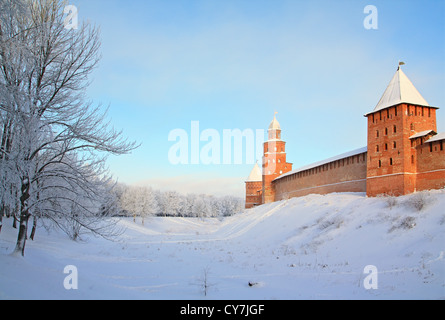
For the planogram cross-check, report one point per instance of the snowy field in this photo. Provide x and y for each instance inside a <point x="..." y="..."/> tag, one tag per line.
<point x="315" y="247"/>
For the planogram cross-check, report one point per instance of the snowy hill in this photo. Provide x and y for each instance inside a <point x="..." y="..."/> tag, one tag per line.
<point x="315" y="247"/>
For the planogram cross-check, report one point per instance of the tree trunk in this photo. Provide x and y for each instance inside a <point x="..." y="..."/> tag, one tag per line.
<point x="34" y="227"/>
<point x="2" y="214"/>
<point x="21" y="239"/>
<point x="14" y="220"/>
<point x="24" y="216"/>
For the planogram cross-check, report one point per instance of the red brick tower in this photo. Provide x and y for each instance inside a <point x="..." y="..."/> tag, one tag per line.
<point x="274" y="160"/>
<point x="254" y="185"/>
<point x="401" y="114"/>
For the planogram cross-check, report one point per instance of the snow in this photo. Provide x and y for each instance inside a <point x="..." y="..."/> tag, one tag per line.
<point x="438" y="137"/>
<point x="400" y="90"/>
<point x="421" y="134"/>
<point x="314" y="247"/>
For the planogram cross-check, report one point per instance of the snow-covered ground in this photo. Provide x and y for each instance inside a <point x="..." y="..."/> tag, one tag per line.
<point x="315" y="247"/>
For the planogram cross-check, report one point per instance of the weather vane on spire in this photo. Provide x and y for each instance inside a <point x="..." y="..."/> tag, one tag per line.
<point x="401" y="63"/>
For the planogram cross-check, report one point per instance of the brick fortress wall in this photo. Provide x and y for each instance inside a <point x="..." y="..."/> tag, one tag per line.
<point x="343" y="175"/>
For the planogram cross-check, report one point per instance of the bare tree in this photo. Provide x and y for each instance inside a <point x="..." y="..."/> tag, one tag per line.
<point x="205" y="283"/>
<point x="56" y="142"/>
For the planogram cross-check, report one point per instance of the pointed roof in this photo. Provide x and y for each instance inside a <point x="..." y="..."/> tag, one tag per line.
<point x="275" y="125"/>
<point x="400" y="90"/>
<point x="256" y="174"/>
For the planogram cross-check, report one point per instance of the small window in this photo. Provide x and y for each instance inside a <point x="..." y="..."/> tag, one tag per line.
<point x="386" y="146"/>
<point x="395" y="128"/>
<point x="377" y="133"/>
<point x="390" y="161"/>
<point x="386" y="131"/>
<point x="412" y="159"/>
<point x="394" y="145"/>
<point x="380" y="163"/>
<point x="412" y="126"/>
<point x="431" y="147"/>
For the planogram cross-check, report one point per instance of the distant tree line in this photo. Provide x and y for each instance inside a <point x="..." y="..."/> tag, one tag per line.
<point x="135" y="201"/>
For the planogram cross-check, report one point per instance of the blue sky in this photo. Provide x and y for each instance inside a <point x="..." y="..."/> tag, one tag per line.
<point x="231" y="64"/>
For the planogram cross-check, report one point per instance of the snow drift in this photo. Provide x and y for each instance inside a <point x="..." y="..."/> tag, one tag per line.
<point x="314" y="247"/>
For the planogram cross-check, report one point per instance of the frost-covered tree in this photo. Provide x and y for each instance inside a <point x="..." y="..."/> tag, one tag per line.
<point x="170" y="203"/>
<point x="200" y="207"/>
<point x="230" y="205"/>
<point x="143" y="202"/>
<point x="129" y="202"/>
<point x="53" y="141"/>
<point x="149" y="203"/>
<point x="139" y="202"/>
